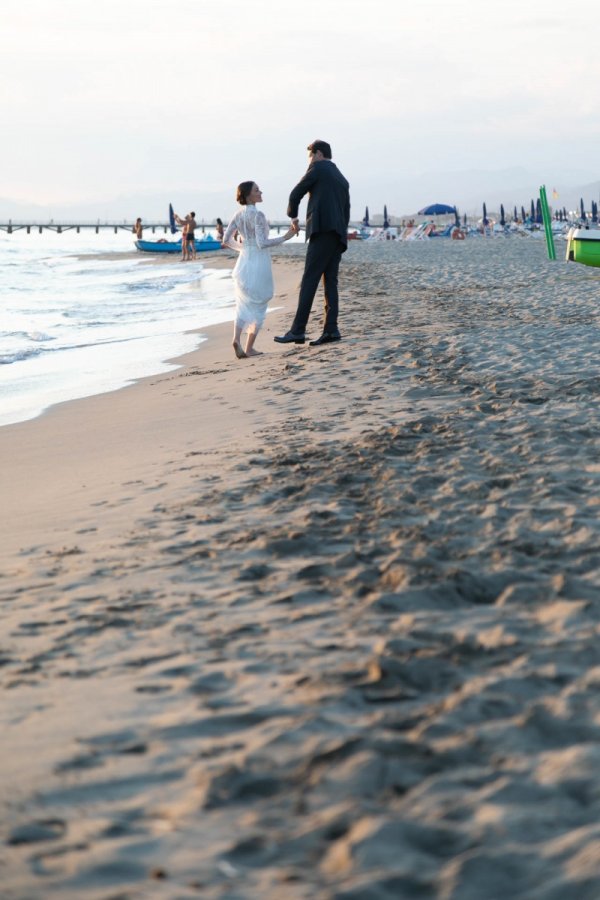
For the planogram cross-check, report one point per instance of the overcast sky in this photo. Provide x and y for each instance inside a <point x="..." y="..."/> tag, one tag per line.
<point x="124" y="97"/>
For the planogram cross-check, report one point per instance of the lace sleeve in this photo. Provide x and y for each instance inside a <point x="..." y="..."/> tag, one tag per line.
<point x="262" y="233"/>
<point x="228" y="236"/>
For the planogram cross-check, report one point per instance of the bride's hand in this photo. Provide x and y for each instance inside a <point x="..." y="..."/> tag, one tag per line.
<point x="291" y="232"/>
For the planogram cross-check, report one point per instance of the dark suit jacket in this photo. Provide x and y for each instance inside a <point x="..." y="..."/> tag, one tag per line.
<point x="328" y="202"/>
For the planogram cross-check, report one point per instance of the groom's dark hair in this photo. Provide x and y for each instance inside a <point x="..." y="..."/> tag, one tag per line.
<point x="323" y="146"/>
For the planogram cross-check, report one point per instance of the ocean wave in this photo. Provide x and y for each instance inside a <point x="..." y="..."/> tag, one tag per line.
<point x="37" y="336"/>
<point x="135" y="287"/>
<point x="21" y="354"/>
<point x="14" y="356"/>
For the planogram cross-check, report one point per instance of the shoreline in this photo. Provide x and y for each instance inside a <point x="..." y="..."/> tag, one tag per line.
<point x="56" y="433"/>
<point x="126" y="359"/>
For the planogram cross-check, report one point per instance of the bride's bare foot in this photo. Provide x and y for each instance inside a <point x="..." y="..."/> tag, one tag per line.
<point x="254" y="353"/>
<point x="238" y="350"/>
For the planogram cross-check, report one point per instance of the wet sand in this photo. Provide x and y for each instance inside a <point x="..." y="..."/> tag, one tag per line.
<point x="323" y="623"/>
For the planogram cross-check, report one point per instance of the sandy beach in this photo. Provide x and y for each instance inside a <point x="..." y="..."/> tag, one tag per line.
<point x="323" y="623"/>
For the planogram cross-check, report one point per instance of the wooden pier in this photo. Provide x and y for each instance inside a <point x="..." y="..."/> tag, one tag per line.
<point x="11" y="227"/>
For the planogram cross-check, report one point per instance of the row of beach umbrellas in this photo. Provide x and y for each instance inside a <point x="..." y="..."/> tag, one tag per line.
<point x="535" y="214"/>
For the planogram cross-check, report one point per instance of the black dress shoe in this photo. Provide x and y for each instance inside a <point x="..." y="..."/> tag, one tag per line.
<point x="328" y="337"/>
<point x="290" y="338"/>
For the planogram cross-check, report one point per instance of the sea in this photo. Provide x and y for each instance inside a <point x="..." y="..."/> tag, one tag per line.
<point x="83" y="314"/>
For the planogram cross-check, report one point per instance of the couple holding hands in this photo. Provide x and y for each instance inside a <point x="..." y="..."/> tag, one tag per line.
<point x="327" y="218"/>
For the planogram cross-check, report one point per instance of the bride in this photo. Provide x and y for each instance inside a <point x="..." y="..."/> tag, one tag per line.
<point x="252" y="275"/>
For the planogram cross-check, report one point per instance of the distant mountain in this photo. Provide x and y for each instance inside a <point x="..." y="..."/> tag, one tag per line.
<point x="403" y="194"/>
<point x="468" y="190"/>
<point x="587" y="192"/>
<point x="13" y="209"/>
<point x="127" y="207"/>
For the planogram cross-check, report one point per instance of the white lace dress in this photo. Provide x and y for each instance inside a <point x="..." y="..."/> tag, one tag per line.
<point x="252" y="274"/>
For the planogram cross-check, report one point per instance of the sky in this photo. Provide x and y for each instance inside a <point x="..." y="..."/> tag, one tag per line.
<point x="137" y="101"/>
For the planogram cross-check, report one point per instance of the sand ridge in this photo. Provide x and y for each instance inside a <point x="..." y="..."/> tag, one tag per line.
<point x="349" y="649"/>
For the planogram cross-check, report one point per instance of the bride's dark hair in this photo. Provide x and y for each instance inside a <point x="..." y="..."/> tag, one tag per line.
<point x="243" y="192"/>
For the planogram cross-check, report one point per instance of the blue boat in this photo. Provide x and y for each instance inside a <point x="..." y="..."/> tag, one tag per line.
<point x="203" y="245"/>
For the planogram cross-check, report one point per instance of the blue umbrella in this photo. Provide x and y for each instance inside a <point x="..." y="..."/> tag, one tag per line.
<point x="502" y="219"/>
<point x="456" y="217"/>
<point x="436" y="209"/>
<point x="485" y="218"/>
<point x="583" y="215"/>
<point x="386" y="223"/>
<point x="538" y="212"/>
<point x="172" y="219"/>
<point x="365" y="221"/>
<point x="515" y="216"/>
<point x="532" y="212"/>
<point x="523" y="216"/>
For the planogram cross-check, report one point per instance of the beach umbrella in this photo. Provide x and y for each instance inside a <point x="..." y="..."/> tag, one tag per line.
<point x="583" y="216"/>
<point x="502" y="219"/>
<point x="538" y="212"/>
<point x="565" y="213"/>
<point x="465" y="219"/>
<point x="365" y="221"/>
<point x="456" y="217"/>
<point x="386" y="223"/>
<point x="523" y="216"/>
<point x="594" y="211"/>
<point x="485" y="218"/>
<point x="532" y="213"/>
<point x="172" y="219"/>
<point x="515" y="216"/>
<point x="437" y="209"/>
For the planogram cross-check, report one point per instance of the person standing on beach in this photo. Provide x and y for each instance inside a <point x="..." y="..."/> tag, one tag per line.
<point x="252" y="273"/>
<point x="327" y="217"/>
<point x="220" y="230"/>
<point x="138" y="229"/>
<point x="188" y="238"/>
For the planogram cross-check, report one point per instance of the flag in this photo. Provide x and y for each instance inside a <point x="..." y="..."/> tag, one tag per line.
<point x="554" y="194"/>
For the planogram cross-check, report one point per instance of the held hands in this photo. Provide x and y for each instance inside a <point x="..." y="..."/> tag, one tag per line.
<point x="293" y="229"/>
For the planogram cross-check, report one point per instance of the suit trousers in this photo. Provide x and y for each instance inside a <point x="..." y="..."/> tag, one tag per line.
<point x="322" y="261"/>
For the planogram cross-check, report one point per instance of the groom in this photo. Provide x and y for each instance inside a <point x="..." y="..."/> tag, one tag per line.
<point x="327" y="218"/>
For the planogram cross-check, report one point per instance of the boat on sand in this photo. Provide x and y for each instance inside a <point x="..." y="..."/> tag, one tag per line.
<point x="583" y="246"/>
<point x="164" y="246"/>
